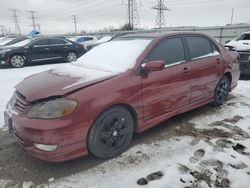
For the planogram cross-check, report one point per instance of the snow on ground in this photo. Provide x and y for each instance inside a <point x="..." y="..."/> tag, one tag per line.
<point x="9" y="77"/>
<point x="214" y="152"/>
<point x="215" y="155"/>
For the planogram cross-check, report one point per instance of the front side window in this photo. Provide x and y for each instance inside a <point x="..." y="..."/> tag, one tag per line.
<point x="243" y="37"/>
<point x="170" y="50"/>
<point x="199" y="47"/>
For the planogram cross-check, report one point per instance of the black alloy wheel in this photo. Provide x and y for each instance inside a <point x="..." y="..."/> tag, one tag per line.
<point x="221" y="91"/>
<point x="111" y="133"/>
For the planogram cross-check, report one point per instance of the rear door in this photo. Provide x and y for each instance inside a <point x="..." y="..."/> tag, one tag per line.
<point x="206" y="67"/>
<point x="58" y="47"/>
<point x="166" y="90"/>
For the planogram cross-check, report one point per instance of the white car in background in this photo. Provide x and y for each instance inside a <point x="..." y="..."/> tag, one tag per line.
<point x="241" y="42"/>
<point x="84" y="40"/>
<point x="242" y="45"/>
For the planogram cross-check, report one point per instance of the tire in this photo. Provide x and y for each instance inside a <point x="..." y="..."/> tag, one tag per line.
<point x="221" y="91"/>
<point x="71" y="57"/>
<point x="17" y="61"/>
<point x="111" y="133"/>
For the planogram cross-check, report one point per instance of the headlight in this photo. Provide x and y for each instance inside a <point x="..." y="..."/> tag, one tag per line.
<point x="52" y="109"/>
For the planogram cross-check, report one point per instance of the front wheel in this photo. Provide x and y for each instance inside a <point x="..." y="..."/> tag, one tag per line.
<point x="111" y="133"/>
<point x="221" y="91"/>
<point x="17" y="61"/>
<point x="71" y="57"/>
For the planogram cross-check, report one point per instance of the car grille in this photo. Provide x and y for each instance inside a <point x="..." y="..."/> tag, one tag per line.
<point x="19" y="102"/>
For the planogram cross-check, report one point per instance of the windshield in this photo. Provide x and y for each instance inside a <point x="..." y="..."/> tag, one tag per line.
<point x="22" y="43"/>
<point x="114" y="56"/>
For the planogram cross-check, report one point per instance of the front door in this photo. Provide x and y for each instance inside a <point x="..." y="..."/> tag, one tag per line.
<point x="40" y="50"/>
<point x="166" y="90"/>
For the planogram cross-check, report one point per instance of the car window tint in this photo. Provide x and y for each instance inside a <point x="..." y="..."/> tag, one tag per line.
<point x="81" y="39"/>
<point x="215" y="48"/>
<point x="198" y="47"/>
<point x="41" y="42"/>
<point x="246" y="37"/>
<point x="170" y="50"/>
<point x="88" y="38"/>
<point x="56" y="41"/>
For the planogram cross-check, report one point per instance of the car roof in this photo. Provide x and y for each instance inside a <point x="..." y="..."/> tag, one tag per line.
<point x="153" y="35"/>
<point x="247" y="32"/>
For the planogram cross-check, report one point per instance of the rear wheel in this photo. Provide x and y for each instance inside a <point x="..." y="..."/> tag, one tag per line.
<point x="17" y="61"/>
<point x="111" y="133"/>
<point x="221" y="91"/>
<point x="71" y="57"/>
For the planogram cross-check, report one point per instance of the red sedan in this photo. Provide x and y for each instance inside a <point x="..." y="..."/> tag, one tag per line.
<point x="127" y="85"/>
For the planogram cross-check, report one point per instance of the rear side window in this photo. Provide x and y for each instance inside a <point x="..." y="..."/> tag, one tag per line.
<point x="57" y="41"/>
<point x="199" y="47"/>
<point x="170" y="50"/>
<point x="41" y="42"/>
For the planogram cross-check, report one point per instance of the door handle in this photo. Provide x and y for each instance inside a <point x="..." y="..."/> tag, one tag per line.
<point x="185" y="70"/>
<point x="218" y="61"/>
<point x="46" y="48"/>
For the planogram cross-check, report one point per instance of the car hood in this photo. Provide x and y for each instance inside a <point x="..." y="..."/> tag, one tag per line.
<point x="8" y="47"/>
<point x="60" y="81"/>
<point x="240" y="45"/>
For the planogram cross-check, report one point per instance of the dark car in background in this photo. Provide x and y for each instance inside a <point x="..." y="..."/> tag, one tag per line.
<point x="11" y="40"/>
<point x="40" y="50"/>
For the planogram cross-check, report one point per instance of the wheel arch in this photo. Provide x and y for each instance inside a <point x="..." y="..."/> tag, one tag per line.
<point x="229" y="76"/>
<point x="128" y="107"/>
<point x="18" y="53"/>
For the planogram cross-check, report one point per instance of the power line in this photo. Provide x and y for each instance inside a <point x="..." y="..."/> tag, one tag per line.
<point x="160" y="20"/>
<point x="75" y="21"/>
<point x="16" y="22"/>
<point x="33" y="18"/>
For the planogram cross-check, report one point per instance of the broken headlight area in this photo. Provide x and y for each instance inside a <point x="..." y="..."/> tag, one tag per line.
<point x="53" y="108"/>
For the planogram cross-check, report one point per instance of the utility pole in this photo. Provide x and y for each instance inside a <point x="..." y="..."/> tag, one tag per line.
<point x="75" y="21"/>
<point x="2" y="29"/>
<point x="39" y="28"/>
<point x="133" y="14"/>
<point x="33" y="18"/>
<point x="160" y="20"/>
<point x="232" y="16"/>
<point x="16" y="22"/>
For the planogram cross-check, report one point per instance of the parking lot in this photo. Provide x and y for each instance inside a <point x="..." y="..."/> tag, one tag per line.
<point x="208" y="146"/>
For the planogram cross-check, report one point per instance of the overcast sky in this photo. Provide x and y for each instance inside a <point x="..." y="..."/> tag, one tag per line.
<point x="55" y="16"/>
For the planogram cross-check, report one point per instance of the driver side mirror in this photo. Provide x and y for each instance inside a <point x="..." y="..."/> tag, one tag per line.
<point x="152" y="66"/>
